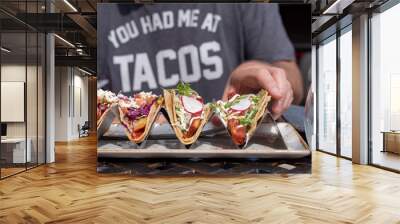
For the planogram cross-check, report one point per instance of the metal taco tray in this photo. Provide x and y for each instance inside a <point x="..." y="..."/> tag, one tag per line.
<point x="262" y="145"/>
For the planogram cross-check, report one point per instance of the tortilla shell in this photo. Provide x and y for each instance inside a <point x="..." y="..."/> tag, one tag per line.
<point x="155" y="108"/>
<point x="106" y="120"/>
<point x="169" y="97"/>
<point x="100" y="120"/>
<point x="262" y="107"/>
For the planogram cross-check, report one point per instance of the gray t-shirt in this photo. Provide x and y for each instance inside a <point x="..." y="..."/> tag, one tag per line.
<point x="154" y="46"/>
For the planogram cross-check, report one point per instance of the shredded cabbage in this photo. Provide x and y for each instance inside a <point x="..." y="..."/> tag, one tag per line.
<point x="135" y="113"/>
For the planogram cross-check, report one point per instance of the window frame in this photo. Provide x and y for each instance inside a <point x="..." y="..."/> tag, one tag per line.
<point x="342" y="26"/>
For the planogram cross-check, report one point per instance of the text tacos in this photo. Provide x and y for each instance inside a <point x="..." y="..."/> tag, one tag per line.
<point x="138" y="113"/>
<point x="241" y="114"/>
<point x="187" y="112"/>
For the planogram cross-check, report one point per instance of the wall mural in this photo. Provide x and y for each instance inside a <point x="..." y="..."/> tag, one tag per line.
<point x="186" y="89"/>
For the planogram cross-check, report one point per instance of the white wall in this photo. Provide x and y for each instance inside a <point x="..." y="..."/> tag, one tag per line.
<point x="61" y="103"/>
<point x="70" y="83"/>
<point x="80" y="103"/>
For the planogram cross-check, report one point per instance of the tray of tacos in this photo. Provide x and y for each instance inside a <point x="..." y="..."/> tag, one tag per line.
<point x="179" y="124"/>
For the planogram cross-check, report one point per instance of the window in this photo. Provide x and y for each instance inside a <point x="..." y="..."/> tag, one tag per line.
<point x="22" y="77"/>
<point x="385" y="88"/>
<point x="346" y="92"/>
<point x="327" y="96"/>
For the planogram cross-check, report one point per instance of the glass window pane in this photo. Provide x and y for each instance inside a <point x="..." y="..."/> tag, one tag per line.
<point x="385" y="84"/>
<point x="32" y="87"/>
<point x="23" y="82"/>
<point x="31" y="97"/>
<point x="41" y="98"/>
<point x="327" y="96"/>
<point x="346" y="94"/>
<point x="13" y="86"/>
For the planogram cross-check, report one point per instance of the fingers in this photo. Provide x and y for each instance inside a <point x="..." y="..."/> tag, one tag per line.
<point x="267" y="82"/>
<point x="253" y="77"/>
<point x="289" y="100"/>
<point x="282" y="104"/>
<point x="228" y="92"/>
<point x="279" y="75"/>
<point x="276" y="110"/>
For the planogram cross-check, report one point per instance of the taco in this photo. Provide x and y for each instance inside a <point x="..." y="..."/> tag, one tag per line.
<point x="138" y="113"/>
<point x="105" y="100"/>
<point x="187" y="112"/>
<point x="241" y="114"/>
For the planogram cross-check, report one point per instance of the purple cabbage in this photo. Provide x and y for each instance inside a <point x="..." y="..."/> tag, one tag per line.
<point x="134" y="113"/>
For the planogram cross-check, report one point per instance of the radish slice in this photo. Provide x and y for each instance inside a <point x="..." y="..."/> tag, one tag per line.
<point x="242" y="105"/>
<point x="191" y="105"/>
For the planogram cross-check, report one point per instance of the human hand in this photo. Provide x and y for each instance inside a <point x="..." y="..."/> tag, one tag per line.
<point x="252" y="76"/>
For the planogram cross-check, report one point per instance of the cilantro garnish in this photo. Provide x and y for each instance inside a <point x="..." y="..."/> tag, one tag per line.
<point x="233" y="102"/>
<point x="245" y="121"/>
<point x="248" y="118"/>
<point x="228" y="104"/>
<point x="184" y="89"/>
<point x="213" y="106"/>
<point x="241" y="97"/>
<point x="252" y="113"/>
<point x="255" y="99"/>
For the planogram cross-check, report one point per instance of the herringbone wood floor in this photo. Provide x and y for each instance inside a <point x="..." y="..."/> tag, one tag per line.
<point x="70" y="191"/>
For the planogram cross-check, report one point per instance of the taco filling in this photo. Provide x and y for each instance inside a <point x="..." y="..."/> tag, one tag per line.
<point x="241" y="113"/>
<point x="187" y="112"/>
<point x="188" y="106"/>
<point x="135" y="111"/>
<point x="104" y="101"/>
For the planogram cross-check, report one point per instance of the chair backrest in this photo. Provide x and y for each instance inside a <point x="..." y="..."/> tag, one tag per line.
<point x="86" y="125"/>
